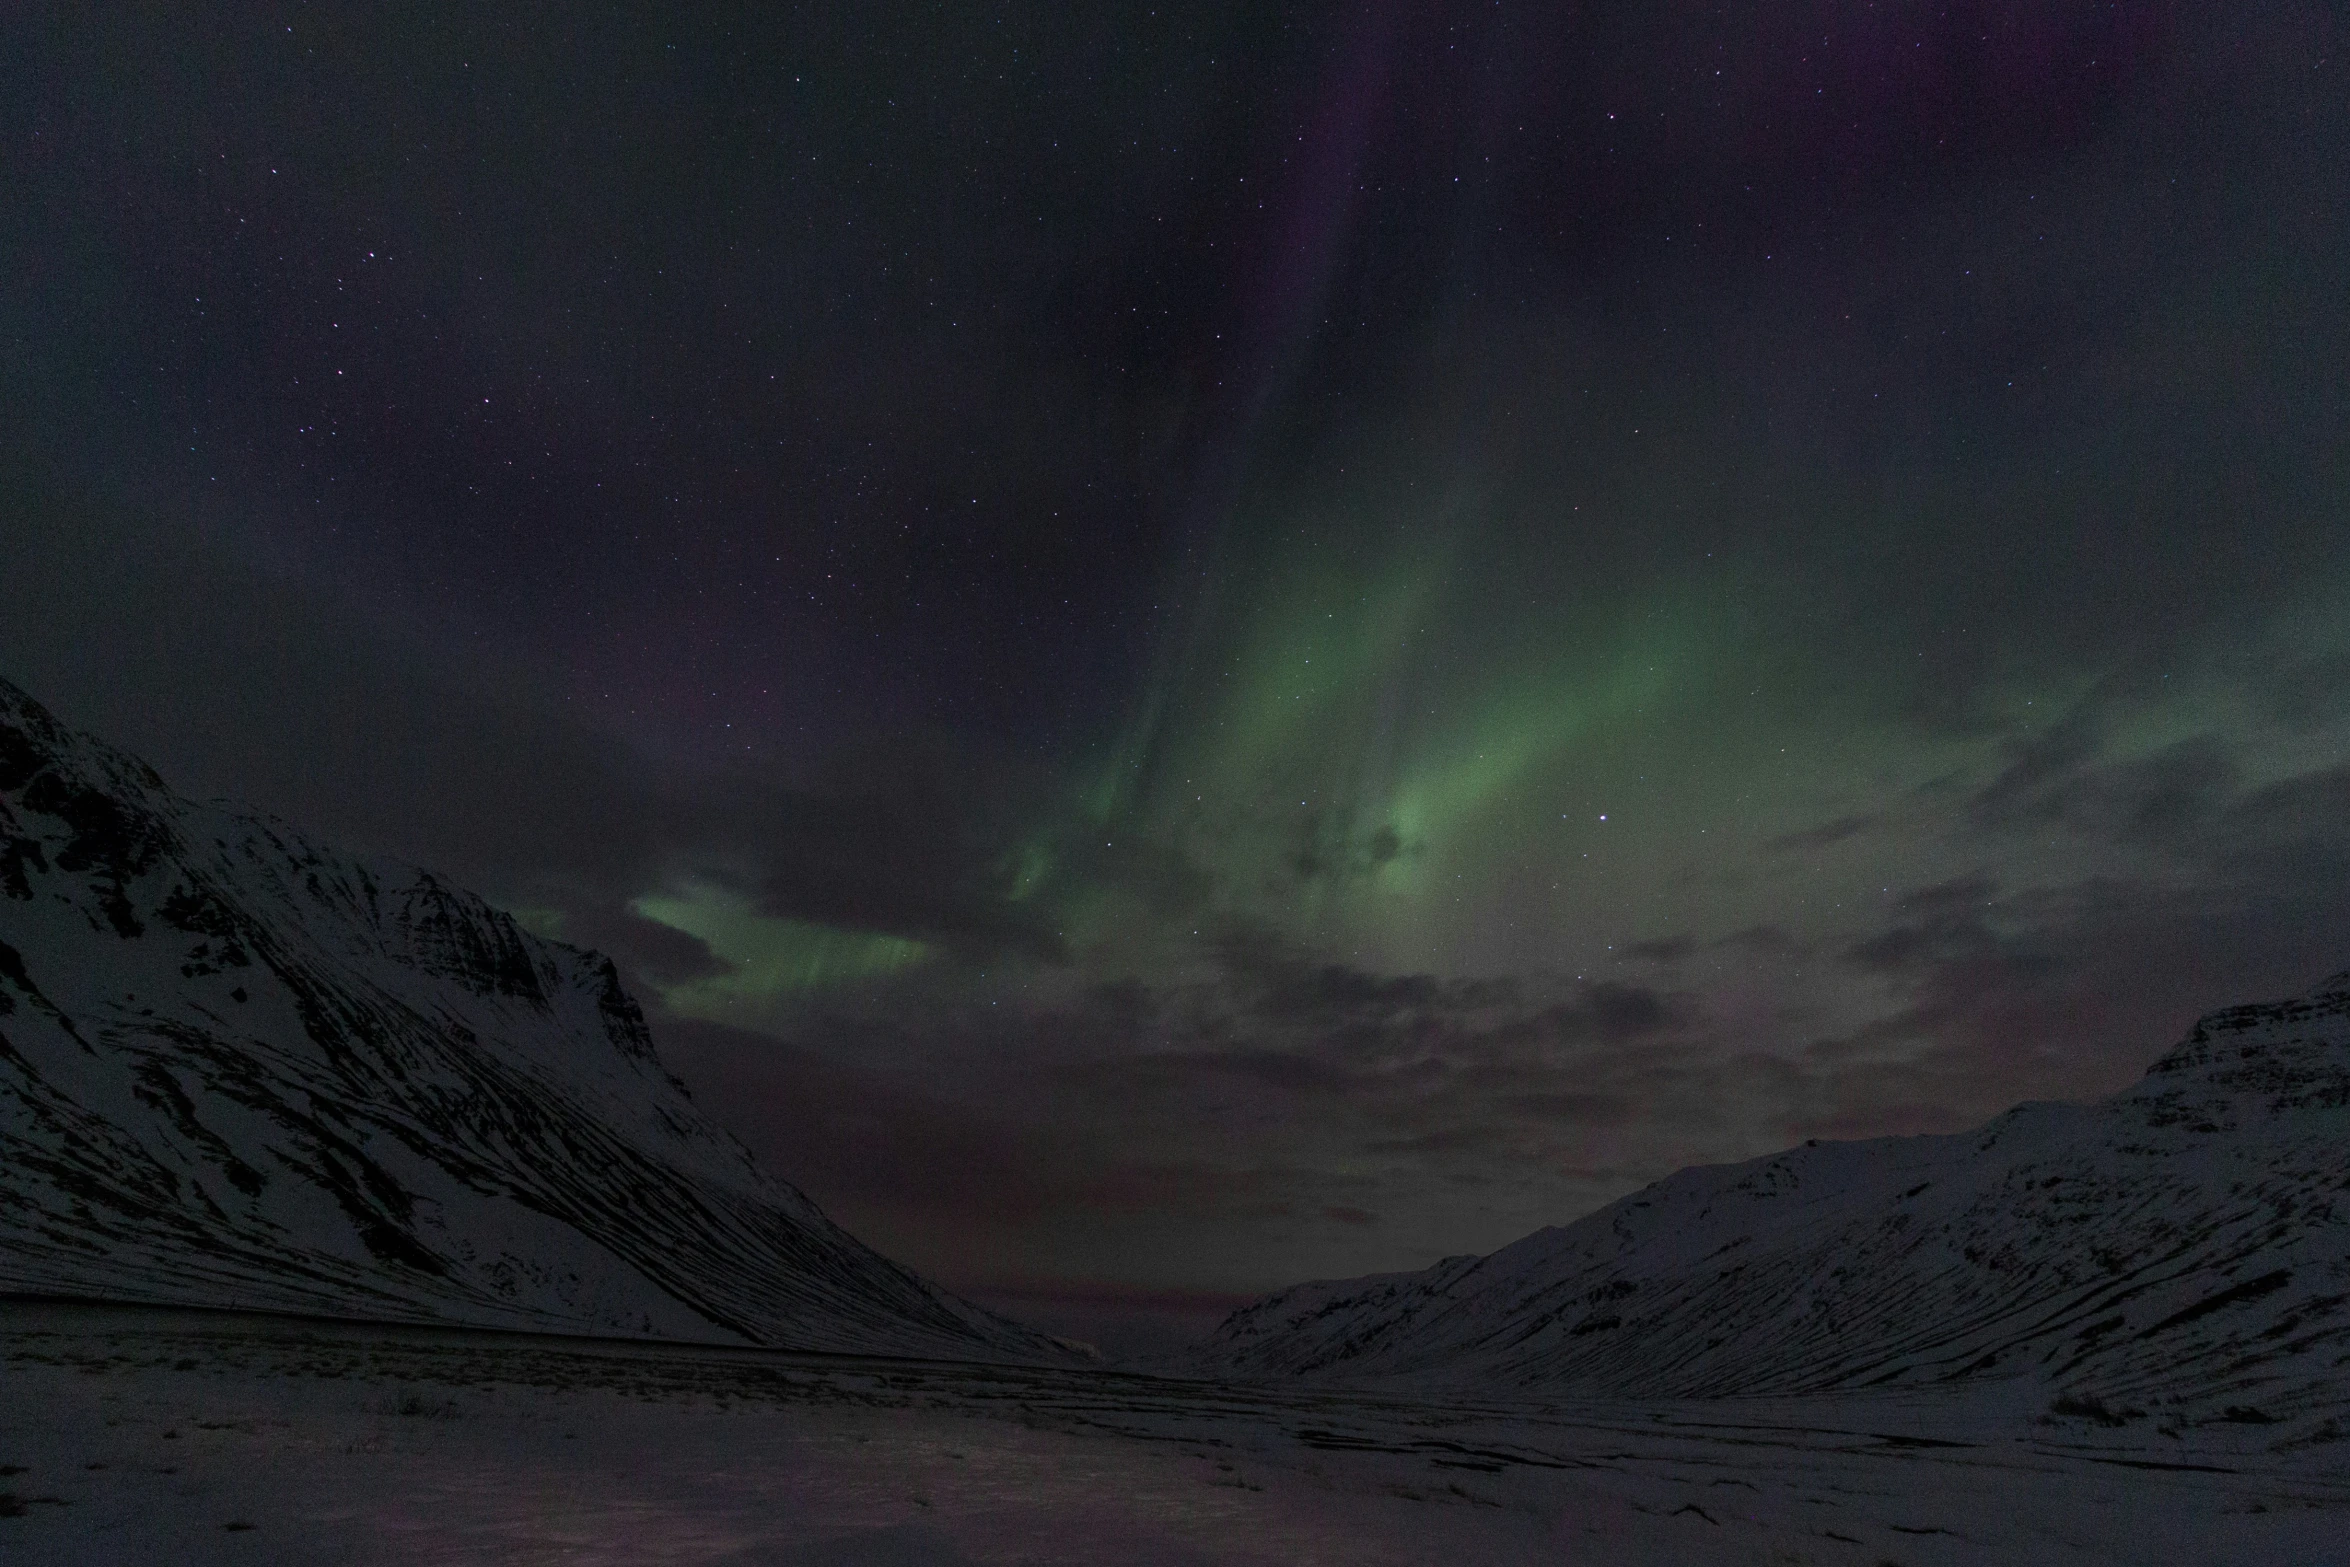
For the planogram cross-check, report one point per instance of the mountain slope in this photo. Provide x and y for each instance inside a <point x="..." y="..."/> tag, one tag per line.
<point x="2186" y="1240"/>
<point x="240" y="1068"/>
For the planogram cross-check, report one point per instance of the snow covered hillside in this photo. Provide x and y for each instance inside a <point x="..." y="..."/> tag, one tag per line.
<point x="2186" y="1241"/>
<point x="240" y="1068"/>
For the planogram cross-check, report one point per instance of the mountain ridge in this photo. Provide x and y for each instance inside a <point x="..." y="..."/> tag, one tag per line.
<point x="241" y="1068"/>
<point x="2186" y="1240"/>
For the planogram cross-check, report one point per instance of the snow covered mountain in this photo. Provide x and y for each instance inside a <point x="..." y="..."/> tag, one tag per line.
<point x="240" y="1068"/>
<point x="2186" y="1241"/>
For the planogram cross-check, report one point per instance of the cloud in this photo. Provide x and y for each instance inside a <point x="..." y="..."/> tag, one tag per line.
<point x="902" y="852"/>
<point x="1763" y="941"/>
<point x="2038" y="762"/>
<point x="2069" y="989"/>
<point x="1593" y="1108"/>
<point x="2306" y="694"/>
<point x="2167" y="800"/>
<point x="654" y="953"/>
<point x="1617" y="1011"/>
<point x="1827" y="834"/>
<point x="1940" y="924"/>
<point x="2296" y="828"/>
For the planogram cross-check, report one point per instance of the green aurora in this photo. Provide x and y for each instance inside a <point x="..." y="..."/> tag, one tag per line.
<point x="1228" y="647"/>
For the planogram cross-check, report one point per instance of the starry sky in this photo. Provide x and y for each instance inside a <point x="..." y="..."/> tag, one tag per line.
<point x="1184" y="646"/>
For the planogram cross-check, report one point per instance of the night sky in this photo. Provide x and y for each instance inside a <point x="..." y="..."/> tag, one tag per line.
<point x="1185" y="646"/>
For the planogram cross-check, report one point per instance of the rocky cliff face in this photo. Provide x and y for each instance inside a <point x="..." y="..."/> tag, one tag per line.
<point x="240" y="1068"/>
<point x="2186" y="1241"/>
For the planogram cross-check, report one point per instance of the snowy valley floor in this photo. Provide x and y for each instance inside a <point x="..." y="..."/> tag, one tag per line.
<point x="132" y="1435"/>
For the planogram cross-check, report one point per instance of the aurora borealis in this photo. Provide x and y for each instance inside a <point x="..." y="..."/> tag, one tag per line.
<point x="1212" y="644"/>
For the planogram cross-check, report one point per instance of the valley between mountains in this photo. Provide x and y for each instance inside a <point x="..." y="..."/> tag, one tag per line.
<point x="343" y="1220"/>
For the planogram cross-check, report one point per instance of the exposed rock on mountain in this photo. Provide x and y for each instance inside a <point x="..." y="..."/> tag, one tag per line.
<point x="240" y="1068"/>
<point x="2186" y="1241"/>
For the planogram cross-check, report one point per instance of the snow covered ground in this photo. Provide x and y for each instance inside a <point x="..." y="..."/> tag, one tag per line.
<point x="133" y="1434"/>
